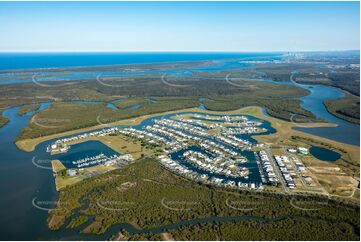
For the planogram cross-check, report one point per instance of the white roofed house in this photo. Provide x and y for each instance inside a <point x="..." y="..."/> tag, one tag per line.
<point x="71" y="172"/>
<point x="303" y="150"/>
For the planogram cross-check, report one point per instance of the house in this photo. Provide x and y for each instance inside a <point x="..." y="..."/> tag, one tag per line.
<point x="71" y="172"/>
<point x="291" y="150"/>
<point x="303" y="150"/>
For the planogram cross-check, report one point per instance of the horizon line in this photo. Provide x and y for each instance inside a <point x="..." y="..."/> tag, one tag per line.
<point x="171" y="51"/>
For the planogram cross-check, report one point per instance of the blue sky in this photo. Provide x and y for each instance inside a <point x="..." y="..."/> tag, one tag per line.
<point x="179" y="26"/>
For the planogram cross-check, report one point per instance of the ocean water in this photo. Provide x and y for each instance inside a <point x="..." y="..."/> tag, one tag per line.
<point x="13" y="61"/>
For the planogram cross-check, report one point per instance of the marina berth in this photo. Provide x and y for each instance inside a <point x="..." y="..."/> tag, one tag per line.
<point x="102" y="159"/>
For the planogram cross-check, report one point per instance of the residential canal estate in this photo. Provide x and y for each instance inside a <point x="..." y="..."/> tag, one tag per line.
<point x="213" y="149"/>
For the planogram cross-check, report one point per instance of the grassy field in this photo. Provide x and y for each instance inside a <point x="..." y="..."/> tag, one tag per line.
<point x="347" y="108"/>
<point x="57" y="166"/>
<point x="158" y="197"/>
<point x="124" y="145"/>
